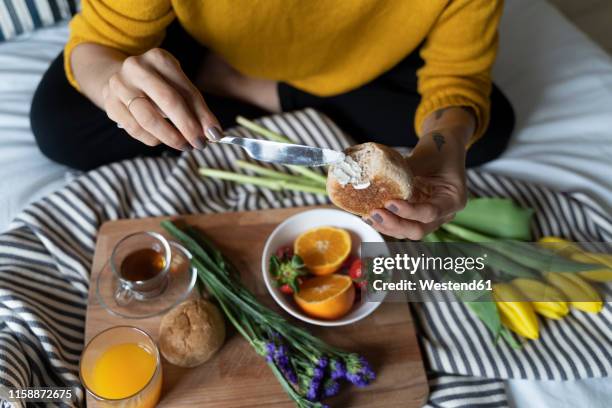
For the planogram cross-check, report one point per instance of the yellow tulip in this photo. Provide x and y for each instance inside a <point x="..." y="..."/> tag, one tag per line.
<point x="559" y="245"/>
<point x="579" y="292"/>
<point x="592" y="258"/>
<point x="575" y="253"/>
<point x="553" y="240"/>
<point x="545" y="299"/>
<point x="597" y="275"/>
<point x="519" y="317"/>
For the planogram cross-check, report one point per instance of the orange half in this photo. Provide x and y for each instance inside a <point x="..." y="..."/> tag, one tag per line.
<point x="326" y="297"/>
<point x="323" y="249"/>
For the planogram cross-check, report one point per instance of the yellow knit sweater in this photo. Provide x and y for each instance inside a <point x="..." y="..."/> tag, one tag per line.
<point x="324" y="47"/>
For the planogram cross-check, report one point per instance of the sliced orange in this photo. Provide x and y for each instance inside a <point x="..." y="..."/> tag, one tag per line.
<point x="323" y="249"/>
<point x="326" y="297"/>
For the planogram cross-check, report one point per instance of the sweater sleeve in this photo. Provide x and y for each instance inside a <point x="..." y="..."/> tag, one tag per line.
<point x="459" y="53"/>
<point x="133" y="26"/>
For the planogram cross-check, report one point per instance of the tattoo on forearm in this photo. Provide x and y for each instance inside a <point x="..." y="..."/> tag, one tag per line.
<point x="439" y="140"/>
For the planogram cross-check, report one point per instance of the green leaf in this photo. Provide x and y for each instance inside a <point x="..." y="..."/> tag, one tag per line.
<point x="297" y="262"/>
<point x="293" y="285"/>
<point x="523" y="253"/>
<point x="274" y="266"/>
<point x="432" y="237"/>
<point x="488" y="313"/>
<point x="509" y="338"/>
<point x="494" y="259"/>
<point x="498" y="217"/>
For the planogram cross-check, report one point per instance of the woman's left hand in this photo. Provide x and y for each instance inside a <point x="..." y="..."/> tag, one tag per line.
<point x="439" y="185"/>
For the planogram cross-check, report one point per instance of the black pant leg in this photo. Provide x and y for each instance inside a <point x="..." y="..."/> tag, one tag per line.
<point x="383" y="111"/>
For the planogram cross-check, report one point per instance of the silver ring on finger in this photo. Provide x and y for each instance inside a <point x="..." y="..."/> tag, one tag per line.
<point x="127" y="105"/>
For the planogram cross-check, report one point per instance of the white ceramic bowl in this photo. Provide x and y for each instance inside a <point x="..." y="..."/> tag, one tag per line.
<point x="286" y="233"/>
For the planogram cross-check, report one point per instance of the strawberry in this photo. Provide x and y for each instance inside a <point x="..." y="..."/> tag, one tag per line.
<point x="287" y="272"/>
<point x="361" y="284"/>
<point x="284" y="253"/>
<point x="286" y="289"/>
<point x="355" y="269"/>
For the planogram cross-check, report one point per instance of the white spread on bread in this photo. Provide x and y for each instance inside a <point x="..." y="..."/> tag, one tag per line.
<point x="348" y="171"/>
<point x="377" y="174"/>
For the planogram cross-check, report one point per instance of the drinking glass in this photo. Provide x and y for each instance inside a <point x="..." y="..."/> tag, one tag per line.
<point x="140" y="289"/>
<point x="149" y="395"/>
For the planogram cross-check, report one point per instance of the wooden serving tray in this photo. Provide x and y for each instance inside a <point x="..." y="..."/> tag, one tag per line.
<point x="236" y="376"/>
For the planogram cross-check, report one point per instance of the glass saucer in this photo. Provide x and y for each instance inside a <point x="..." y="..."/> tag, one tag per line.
<point x="181" y="280"/>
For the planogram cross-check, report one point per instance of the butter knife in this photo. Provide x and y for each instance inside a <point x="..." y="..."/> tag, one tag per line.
<point x="284" y="153"/>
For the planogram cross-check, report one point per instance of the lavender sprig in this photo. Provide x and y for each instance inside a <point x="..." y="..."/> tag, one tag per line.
<point x="331" y="388"/>
<point x="338" y="369"/>
<point x="359" y="371"/>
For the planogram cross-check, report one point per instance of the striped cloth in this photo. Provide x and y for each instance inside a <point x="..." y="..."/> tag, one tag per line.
<point x="24" y="16"/>
<point x="46" y="255"/>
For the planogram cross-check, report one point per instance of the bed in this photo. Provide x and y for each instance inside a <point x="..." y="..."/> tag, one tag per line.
<point x="559" y="82"/>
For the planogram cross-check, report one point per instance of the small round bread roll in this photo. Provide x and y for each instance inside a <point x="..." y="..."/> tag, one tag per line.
<point x="191" y="333"/>
<point x="370" y="175"/>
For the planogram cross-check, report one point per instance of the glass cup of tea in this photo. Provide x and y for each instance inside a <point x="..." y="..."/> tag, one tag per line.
<point x="140" y="262"/>
<point x="121" y="367"/>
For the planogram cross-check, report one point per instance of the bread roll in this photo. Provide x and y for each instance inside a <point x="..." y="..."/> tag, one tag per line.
<point x="371" y="175"/>
<point x="191" y="333"/>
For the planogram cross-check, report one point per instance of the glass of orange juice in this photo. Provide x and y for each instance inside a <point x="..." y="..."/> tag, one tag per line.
<point x="121" y="367"/>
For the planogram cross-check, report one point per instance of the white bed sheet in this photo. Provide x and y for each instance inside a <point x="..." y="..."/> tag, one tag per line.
<point x="559" y="82"/>
<point x="25" y="174"/>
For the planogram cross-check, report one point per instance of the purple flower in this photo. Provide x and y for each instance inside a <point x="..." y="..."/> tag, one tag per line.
<point x="322" y="362"/>
<point x="353" y="377"/>
<point x="313" y="390"/>
<point x="366" y="370"/>
<point x="281" y="353"/>
<point x="356" y="379"/>
<point x="281" y="358"/>
<point x="338" y="369"/>
<point x="330" y="388"/>
<point x="318" y="373"/>
<point x="270" y="351"/>
<point x="290" y="375"/>
<point x="359" y="371"/>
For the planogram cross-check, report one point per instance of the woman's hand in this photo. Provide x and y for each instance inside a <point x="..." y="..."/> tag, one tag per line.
<point x="439" y="189"/>
<point x="151" y="87"/>
<point x="140" y="92"/>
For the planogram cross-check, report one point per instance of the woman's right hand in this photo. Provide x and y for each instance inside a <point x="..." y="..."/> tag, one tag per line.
<point x="151" y="87"/>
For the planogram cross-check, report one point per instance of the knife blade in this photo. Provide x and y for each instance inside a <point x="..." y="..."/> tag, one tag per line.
<point x="284" y="153"/>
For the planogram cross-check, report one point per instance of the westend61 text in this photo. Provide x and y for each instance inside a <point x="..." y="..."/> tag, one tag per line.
<point x="432" y="285"/>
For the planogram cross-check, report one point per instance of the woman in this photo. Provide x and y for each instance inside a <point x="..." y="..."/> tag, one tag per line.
<point x="415" y="73"/>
